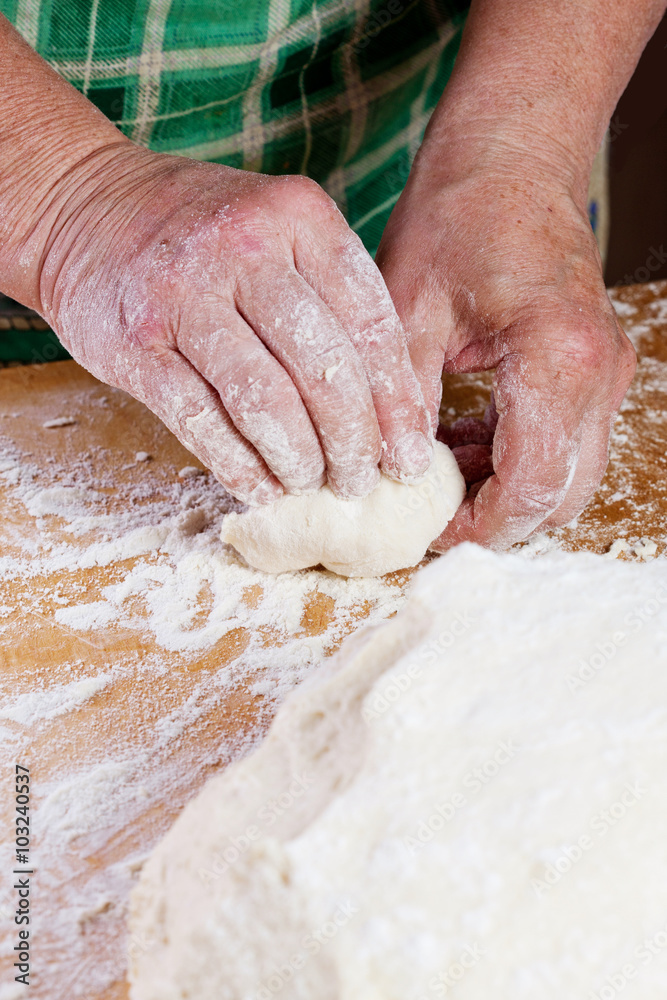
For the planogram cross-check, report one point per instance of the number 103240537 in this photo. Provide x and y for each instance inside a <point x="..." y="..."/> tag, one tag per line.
<point x="22" y="814"/>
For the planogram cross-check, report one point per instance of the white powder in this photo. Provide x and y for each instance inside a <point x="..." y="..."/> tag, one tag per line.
<point x="47" y="703"/>
<point x="59" y="422"/>
<point x="60" y="501"/>
<point x="91" y="557"/>
<point x="86" y="553"/>
<point x="618" y="546"/>
<point x="645" y="548"/>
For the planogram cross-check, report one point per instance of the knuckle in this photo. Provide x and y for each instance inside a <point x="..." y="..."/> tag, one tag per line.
<point x="306" y="194"/>
<point x="246" y="396"/>
<point x="380" y="334"/>
<point x="533" y="491"/>
<point x="538" y="497"/>
<point x="584" y="351"/>
<point x="190" y="409"/>
<point x="589" y="353"/>
<point x="322" y="364"/>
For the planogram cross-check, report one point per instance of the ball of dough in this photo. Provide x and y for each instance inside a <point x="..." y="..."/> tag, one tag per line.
<point x="471" y="798"/>
<point x="389" y="529"/>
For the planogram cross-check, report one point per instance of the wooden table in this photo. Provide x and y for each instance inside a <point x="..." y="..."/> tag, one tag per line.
<point x="119" y="729"/>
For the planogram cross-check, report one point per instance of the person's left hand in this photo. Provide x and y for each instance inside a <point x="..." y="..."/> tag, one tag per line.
<point x="496" y="267"/>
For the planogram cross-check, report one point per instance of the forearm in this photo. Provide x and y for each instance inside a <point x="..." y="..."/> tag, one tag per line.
<point x="47" y="128"/>
<point x="540" y="77"/>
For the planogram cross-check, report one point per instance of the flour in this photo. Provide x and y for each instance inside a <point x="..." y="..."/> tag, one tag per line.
<point x="48" y="703"/>
<point x="106" y="556"/>
<point x="100" y="559"/>
<point x="483" y="776"/>
<point x="59" y="422"/>
<point x="645" y="548"/>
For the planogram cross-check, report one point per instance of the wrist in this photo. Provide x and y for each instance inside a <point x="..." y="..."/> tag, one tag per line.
<point x="539" y="81"/>
<point x="48" y="128"/>
<point x="39" y="203"/>
<point x="470" y="134"/>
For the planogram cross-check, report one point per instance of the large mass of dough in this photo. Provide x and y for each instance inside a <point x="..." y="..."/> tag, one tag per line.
<point x="387" y="530"/>
<point x="470" y="799"/>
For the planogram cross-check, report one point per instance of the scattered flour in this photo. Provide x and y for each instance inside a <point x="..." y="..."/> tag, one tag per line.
<point x="60" y="422"/>
<point x="454" y="755"/>
<point x="645" y="548"/>
<point x="618" y="546"/>
<point x="103" y="559"/>
<point x="48" y="703"/>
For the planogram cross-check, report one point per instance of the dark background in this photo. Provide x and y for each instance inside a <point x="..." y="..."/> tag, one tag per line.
<point x="638" y="171"/>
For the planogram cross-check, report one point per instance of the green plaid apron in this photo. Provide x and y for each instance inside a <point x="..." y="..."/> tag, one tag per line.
<point x="340" y="90"/>
<point x="337" y="89"/>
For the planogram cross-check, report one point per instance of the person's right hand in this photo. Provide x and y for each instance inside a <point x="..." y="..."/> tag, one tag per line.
<point x="244" y="312"/>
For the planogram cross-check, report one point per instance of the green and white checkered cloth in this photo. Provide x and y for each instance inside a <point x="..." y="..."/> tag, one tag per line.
<point x="340" y="90"/>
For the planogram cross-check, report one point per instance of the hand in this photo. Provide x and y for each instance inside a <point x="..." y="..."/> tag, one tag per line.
<point x="244" y="312"/>
<point x="496" y="267"/>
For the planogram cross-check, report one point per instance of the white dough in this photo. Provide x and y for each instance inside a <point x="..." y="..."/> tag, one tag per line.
<point x="387" y="530"/>
<point x="469" y="799"/>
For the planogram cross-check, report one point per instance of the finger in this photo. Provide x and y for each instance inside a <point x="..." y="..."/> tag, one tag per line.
<point x="475" y="462"/>
<point x="590" y="470"/>
<point x="169" y="386"/>
<point x="596" y="430"/>
<point x="353" y="288"/>
<point x="425" y="310"/>
<point x="536" y="449"/>
<point x="304" y="336"/>
<point x="258" y="394"/>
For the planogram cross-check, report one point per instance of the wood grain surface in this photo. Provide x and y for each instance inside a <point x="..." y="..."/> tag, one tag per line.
<point x="148" y="683"/>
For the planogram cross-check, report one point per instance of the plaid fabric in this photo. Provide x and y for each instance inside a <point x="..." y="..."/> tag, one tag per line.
<point x="340" y="90"/>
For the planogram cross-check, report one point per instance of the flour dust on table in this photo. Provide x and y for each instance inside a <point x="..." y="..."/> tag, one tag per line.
<point x="472" y="795"/>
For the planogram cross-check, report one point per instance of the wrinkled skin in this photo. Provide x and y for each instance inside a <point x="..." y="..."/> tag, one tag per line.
<point x="498" y="269"/>
<point x="244" y="312"/>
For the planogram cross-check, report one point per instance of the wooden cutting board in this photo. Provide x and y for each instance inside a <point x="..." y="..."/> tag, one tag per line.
<point x="121" y="727"/>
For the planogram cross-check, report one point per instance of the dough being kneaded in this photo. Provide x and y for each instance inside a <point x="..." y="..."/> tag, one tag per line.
<point x="389" y="529"/>
<point x="468" y="801"/>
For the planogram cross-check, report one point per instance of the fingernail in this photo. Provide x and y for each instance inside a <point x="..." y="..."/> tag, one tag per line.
<point x="413" y="454"/>
<point x="360" y="486"/>
<point x="267" y="491"/>
<point x="311" y="487"/>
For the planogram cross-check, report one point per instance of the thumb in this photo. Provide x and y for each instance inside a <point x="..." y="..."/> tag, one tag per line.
<point x="426" y="318"/>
